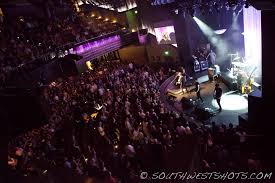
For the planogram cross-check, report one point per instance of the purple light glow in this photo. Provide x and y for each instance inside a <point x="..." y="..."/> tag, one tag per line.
<point x="142" y="38"/>
<point x="93" y="44"/>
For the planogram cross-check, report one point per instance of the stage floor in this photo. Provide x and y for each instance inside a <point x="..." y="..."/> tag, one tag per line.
<point x="232" y="102"/>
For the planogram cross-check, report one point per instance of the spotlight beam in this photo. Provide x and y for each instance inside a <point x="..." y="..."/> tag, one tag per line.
<point x="213" y="38"/>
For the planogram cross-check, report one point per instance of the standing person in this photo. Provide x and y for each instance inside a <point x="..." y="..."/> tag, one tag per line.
<point x="218" y="95"/>
<point x="211" y="57"/>
<point x="184" y="80"/>
<point x="198" y="91"/>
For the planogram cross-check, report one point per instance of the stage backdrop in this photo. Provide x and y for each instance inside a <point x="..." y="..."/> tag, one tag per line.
<point x="253" y="37"/>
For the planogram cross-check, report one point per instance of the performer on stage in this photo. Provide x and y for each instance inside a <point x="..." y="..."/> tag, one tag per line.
<point x="184" y="80"/>
<point x="198" y="91"/>
<point x="218" y="95"/>
<point x="179" y="79"/>
<point x="211" y="58"/>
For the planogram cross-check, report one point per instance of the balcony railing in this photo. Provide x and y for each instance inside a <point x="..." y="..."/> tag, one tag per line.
<point x="63" y="50"/>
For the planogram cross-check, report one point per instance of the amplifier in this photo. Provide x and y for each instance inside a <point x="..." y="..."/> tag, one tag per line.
<point x="255" y="111"/>
<point x="197" y="67"/>
<point x="204" y="65"/>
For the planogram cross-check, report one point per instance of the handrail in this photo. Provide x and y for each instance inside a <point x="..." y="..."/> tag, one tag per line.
<point x="95" y="38"/>
<point x="62" y="48"/>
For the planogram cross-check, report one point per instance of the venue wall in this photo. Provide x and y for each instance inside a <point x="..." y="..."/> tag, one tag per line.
<point x="150" y="54"/>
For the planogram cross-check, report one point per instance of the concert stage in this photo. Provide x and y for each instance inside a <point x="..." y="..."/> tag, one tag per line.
<point x="233" y="103"/>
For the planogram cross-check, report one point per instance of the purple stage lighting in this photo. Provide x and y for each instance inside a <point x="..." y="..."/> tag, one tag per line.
<point x="94" y="44"/>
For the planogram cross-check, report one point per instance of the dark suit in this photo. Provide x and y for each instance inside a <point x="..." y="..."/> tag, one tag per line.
<point x="198" y="91"/>
<point x="218" y="95"/>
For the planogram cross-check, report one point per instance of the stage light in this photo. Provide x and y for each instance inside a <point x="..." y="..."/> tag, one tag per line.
<point x="221" y="31"/>
<point x="220" y="44"/>
<point x="232" y="102"/>
<point x="166" y="53"/>
<point x="192" y="12"/>
<point x="133" y="30"/>
<point x="205" y="28"/>
<point x="136" y="12"/>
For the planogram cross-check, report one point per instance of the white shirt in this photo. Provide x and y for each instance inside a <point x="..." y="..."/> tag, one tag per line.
<point x="212" y="57"/>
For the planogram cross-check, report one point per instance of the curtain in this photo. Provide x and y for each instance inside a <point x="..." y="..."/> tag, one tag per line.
<point x="253" y="38"/>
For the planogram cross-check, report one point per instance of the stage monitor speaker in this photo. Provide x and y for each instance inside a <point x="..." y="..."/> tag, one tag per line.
<point x="202" y="114"/>
<point x="187" y="103"/>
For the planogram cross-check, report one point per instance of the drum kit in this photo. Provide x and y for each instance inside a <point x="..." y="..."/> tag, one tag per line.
<point x="237" y="63"/>
<point x="241" y="68"/>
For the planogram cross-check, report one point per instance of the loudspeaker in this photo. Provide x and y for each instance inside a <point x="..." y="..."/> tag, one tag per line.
<point x="255" y="111"/>
<point x="202" y="114"/>
<point x="187" y="103"/>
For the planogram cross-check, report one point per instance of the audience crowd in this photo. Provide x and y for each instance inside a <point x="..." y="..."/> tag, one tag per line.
<point x="108" y="125"/>
<point x="229" y="149"/>
<point x="25" y="41"/>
